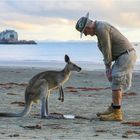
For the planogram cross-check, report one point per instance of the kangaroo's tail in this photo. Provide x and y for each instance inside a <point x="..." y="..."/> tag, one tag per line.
<point x="24" y="112"/>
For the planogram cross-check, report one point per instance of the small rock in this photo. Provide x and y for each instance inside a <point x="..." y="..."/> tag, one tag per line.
<point x="125" y="136"/>
<point x="14" y="135"/>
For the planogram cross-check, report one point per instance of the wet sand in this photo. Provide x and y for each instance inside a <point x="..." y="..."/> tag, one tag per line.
<point x="86" y="93"/>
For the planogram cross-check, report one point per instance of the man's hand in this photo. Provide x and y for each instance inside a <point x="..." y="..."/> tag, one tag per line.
<point x="108" y="74"/>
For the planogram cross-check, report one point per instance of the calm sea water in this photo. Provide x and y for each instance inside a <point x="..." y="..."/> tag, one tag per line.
<point x="51" y="54"/>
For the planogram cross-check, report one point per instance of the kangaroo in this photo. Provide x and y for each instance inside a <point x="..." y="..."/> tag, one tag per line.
<point x="40" y="86"/>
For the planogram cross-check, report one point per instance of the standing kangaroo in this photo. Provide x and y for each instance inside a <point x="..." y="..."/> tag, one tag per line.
<point x="40" y="86"/>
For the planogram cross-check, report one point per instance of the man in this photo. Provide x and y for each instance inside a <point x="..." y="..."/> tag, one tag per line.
<point x="114" y="47"/>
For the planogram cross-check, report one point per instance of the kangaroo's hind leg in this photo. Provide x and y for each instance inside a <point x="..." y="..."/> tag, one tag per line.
<point x="43" y="94"/>
<point x="47" y="102"/>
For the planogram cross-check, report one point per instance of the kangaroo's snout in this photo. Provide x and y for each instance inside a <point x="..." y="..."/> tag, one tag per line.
<point x="79" y="69"/>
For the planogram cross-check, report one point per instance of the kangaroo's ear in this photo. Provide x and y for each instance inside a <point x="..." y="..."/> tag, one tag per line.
<point x="67" y="59"/>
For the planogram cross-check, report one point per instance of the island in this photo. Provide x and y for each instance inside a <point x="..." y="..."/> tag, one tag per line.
<point x="11" y="37"/>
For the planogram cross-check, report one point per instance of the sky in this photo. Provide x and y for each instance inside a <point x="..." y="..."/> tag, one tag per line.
<point x="55" y="19"/>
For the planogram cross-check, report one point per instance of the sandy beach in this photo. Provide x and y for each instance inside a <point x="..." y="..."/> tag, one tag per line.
<point x="86" y="93"/>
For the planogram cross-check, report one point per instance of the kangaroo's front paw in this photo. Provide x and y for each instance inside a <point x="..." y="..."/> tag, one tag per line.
<point x="62" y="99"/>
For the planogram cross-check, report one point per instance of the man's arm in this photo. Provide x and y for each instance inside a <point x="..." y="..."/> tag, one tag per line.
<point x="107" y="52"/>
<point x="106" y="48"/>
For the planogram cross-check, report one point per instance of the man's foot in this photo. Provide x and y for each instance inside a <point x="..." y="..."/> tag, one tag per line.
<point x="106" y="112"/>
<point x="116" y="115"/>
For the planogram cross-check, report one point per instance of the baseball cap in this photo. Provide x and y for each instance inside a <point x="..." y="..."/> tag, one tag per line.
<point x="81" y="24"/>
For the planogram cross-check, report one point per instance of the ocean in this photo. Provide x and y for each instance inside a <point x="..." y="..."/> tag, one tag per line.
<point x="51" y="55"/>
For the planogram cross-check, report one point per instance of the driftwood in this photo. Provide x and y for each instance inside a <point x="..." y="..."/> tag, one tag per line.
<point x="132" y="123"/>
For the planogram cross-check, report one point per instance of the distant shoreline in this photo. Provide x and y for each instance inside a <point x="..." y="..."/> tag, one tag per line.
<point x="22" y="42"/>
<point x="48" y="64"/>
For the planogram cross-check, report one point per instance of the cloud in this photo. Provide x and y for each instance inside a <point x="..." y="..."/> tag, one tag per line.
<point x="57" y="15"/>
<point x="112" y="10"/>
<point x="124" y="13"/>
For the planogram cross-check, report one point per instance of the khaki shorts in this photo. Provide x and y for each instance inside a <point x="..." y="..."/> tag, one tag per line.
<point x="122" y="71"/>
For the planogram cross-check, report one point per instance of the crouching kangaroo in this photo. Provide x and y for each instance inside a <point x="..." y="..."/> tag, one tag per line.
<point x="40" y="86"/>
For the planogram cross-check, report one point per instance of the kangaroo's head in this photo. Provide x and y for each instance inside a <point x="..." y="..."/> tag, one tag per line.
<point x="71" y="66"/>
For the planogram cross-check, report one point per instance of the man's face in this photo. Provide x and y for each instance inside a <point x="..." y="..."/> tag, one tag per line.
<point x="88" y="31"/>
